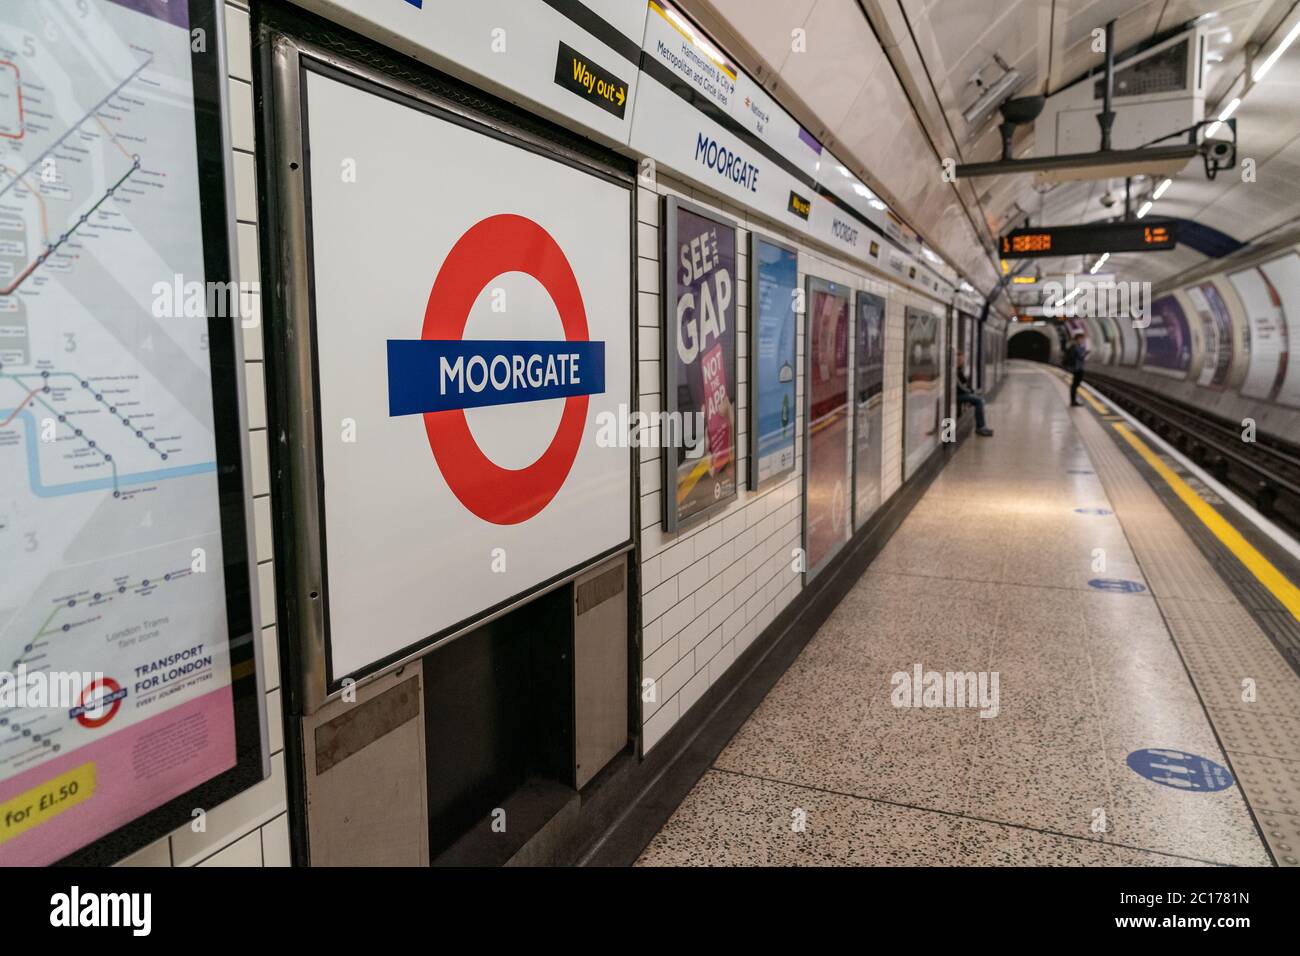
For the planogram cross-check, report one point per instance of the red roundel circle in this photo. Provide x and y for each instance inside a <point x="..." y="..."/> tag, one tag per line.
<point x="109" y="686"/>
<point x="491" y="247"/>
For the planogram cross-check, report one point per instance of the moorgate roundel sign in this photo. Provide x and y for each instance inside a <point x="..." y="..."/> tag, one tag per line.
<point x="442" y="373"/>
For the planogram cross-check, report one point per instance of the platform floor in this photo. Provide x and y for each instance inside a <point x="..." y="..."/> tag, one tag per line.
<point x="990" y="572"/>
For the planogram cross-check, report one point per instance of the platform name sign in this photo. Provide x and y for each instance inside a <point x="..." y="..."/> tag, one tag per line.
<point x="460" y="464"/>
<point x="700" y="328"/>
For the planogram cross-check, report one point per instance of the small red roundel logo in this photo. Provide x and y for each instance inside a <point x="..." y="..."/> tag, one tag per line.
<point x="492" y="247"/>
<point x="109" y="690"/>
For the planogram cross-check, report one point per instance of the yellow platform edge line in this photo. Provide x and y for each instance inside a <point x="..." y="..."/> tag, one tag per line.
<point x="1277" y="583"/>
<point x="1097" y="406"/>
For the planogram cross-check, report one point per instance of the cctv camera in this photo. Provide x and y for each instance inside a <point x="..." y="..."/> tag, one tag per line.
<point x="1218" y="154"/>
<point x="1219" y="151"/>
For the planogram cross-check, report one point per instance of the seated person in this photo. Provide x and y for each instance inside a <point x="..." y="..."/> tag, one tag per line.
<point x="968" y="396"/>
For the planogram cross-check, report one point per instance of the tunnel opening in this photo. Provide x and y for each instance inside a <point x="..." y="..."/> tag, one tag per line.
<point x="1032" y="345"/>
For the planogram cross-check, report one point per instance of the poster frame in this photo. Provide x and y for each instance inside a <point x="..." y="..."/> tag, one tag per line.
<point x="812" y="282"/>
<point x="941" y="323"/>
<point x="754" y="239"/>
<point x="216" y="183"/>
<point x="670" y="205"/>
<point x="301" y="535"/>
<point x="859" y="521"/>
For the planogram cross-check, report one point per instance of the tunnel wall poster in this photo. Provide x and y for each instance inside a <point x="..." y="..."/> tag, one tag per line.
<point x="129" y="686"/>
<point x="1216" y="325"/>
<point x="774" y="280"/>
<point x="1168" y="339"/>
<point x="1130" y="343"/>
<point x="922" y="387"/>
<point x="827" y="521"/>
<point x="481" y="387"/>
<point x="1268" y="345"/>
<point x="869" y="401"/>
<point x="700" y="361"/>
<point x="1283" y="274"/>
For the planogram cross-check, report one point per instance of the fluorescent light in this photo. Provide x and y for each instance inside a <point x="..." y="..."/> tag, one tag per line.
<point x="1146" y="208"/>
<point x="1273" y="57"/>
<point x="695" y="37"/>
<point x="1161" y="189"/>
<point x="1099" y="263"/>
<point x="844" y="172"/>
<point x="1227" y="111"/>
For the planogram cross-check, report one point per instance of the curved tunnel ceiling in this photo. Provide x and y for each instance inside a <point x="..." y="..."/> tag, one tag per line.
<point x="885" y="83"/>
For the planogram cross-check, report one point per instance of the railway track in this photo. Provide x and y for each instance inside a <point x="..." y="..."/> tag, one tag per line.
<point x="1265" y="472"/>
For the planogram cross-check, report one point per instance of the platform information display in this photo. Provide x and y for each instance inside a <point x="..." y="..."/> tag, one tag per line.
<point x="473" y="334"/>
<point x="869" y="403"/>
<point x="116" y="627"/>
<point x="922" y="387"/>
<point x="827" y="520"/>
<point x="700" y="359"/>
<point x="774" y="282"/>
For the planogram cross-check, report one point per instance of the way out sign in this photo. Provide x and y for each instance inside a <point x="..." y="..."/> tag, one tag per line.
<point x="1179" y="770"/>
<point x="473" y="309"/>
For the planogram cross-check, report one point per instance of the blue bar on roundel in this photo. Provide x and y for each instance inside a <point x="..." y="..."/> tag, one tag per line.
<point x="437" y="375"/>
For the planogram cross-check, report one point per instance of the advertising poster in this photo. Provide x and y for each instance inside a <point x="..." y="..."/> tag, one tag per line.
<point x="122" y="596"/>
<point x="1268" y="339"/>
<point x="1108" y="341"/>
<point x="1216" y="325"/>
<point x="486" y="386"/>
<point x="773" y="282"/>
<point x="869" y="389"/>
<point x="1129" y="349"/>
<point x="1168" y="338"/>
<point x="826" y="464"/>
<point x="1283" y="274"/>
<point x="700" y="360"/>
<point x="922" y="387"/>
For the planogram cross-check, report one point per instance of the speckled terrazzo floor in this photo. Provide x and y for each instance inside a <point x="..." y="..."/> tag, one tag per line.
<point x="989" y="573"/>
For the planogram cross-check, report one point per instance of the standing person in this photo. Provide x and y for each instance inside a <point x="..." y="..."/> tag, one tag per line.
<point x="1074" y="357"/>
<point x="968" y="396"/>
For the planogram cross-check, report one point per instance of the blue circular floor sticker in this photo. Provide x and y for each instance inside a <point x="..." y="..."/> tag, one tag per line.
<point x="1092" y="511"/>
<point x="1182" y="771"/>
<point x="1118" y="585"/>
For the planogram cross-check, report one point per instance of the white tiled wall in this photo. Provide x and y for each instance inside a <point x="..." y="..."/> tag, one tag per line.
<point x="252" y="829"/>
<point x="709" y="590"/>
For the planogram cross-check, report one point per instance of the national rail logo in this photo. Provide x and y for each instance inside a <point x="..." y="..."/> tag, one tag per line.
<point x="443" y="373"/>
